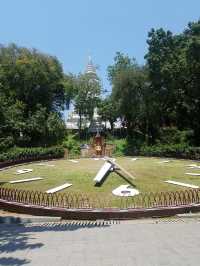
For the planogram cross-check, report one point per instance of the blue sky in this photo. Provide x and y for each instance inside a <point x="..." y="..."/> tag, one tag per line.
<point x="73" y="29"/>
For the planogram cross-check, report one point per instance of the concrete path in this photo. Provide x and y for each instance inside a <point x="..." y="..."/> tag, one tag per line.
<point x="164" y="242"/>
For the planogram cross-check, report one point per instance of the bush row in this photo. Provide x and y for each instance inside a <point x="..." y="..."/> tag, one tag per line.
<point x="176" y="151"/>
<point x="184" y="151"/>
<point x="122" y="148"/>
<point x="20" y="154"/>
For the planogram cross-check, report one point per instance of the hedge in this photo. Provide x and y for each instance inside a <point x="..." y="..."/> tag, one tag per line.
<point x="182" y="151"/>
<point x="27" y="154"/>
<point x="176" y="151"/>
<point x="30" y="154"/>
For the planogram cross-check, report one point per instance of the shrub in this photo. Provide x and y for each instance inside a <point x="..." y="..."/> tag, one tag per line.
<point x="180" y="150"/>
<point x="72" y="145"/>
<point x="176" y="151"/>
<point x="128" y="146"/>
<point x="6" y="143"/>
<point x="171" y="135"/>
<point x="17" y="154"/>
<point x="120" y="147"/>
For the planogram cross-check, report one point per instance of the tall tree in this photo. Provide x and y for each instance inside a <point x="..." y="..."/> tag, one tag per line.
<point x="173" y="62"/>
<point x="108" y="110"/>
<point x="30" y="82"/>
<point x="87" y="93"/>
<point x="128" y="80"/>
<point x="167" y="75"/>
<point x="192" y="92"/>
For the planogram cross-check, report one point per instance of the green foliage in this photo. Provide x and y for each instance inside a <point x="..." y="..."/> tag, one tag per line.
<point x="173" y="143"/>
<point x="55" y="129"/>
<point x="17" y="154"/>
<point x="31" y="77"/>
<point x="128" y="86"/>
<point x="120" y="147"/>
<point x="87" y="92"/>
<point x="33" y="91"/>
<point x="159" y="103"/>
<point x="171" y="135"/>
<point x="121" y="62"/>
<point x="72" y="144"/>
<point x="6" y="143"/>
<point x="165" y="92"/>
<point x="69" y="89"/>
<point x="174" y="65"/>
<point x="108" y="110"/>
<point x="175" y="151"/>
<point x="128" y="145"/>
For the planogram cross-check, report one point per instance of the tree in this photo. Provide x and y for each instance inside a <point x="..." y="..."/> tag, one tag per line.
<point x="87" y="93"/>
<point x="69" y="89"/>
<point x="31" y="77"/>
<point x="121" y="62"/>
<point x="108" y="111"/>
<point x="128" y="80"/>
<point x="55" y="128"/>
<point x="173" y="62"/>
<point x="32" y="87"/>
<point x="192" y="91"/>
<point x="168" y="78"/>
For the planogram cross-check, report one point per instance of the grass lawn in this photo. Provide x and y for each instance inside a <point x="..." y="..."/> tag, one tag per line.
<point x="149" y="173"/>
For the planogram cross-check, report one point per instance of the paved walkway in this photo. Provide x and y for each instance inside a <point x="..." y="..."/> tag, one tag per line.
<point x="139" y="243"/>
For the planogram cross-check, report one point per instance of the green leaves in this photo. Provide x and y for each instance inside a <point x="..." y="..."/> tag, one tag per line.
<point x="31" y="77"/>
<point x="33" y="91"/>
<point x="31" y="154"/>
<point x="87" y="96"/>
<point x="128" y="86"/>
<point x="108" y="110"/>
<point x="174" y="66"/>
<point x="166" y="91"/>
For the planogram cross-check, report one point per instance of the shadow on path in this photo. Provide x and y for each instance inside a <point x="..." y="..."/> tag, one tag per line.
<point x="13" y="261"/>
<point x="15" y="238"/>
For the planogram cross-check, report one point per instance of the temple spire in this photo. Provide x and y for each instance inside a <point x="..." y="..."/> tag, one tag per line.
<point x="90" y="68"/>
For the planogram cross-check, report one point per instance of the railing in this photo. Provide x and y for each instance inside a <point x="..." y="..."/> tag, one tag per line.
<point x="84" y="201"/>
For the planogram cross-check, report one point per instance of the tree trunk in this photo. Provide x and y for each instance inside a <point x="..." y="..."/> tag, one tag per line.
<point x="80" y="124"/>
<point x="111" y="124"/>
<point x="129" y="128"/>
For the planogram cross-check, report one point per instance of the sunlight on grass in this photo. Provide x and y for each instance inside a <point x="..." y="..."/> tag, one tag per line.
<point x="149" y="173"/>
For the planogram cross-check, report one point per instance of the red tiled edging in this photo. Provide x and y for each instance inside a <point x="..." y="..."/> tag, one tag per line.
<point x="94" y="214"/>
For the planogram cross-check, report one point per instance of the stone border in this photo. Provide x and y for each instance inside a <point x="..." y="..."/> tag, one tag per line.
<point x="96" y="214"/>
